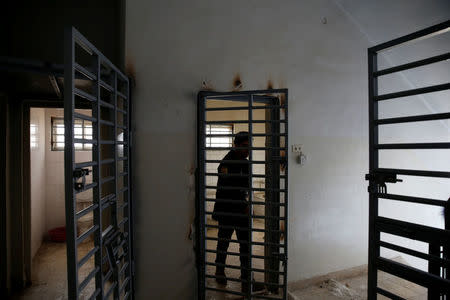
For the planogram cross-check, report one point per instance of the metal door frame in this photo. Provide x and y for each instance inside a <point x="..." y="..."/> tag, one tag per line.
<point x="201" y="186"/>
<point x="379" y="176"/>
<point x="120" y="289"/>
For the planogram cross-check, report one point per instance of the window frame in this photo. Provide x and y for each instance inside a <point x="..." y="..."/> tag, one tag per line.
<point x="55" y="121"/>
<point x="209" y="140"/>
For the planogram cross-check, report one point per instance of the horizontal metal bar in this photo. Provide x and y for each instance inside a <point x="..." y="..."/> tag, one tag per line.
<point x="242" y="228"/>
<point x="125" y="265"/>
<point x="388" y="294"/>
<point x="248" y="269"/>
<point x="85" y="141"/>
<point x="225" y="277"/>
<point x="123" y="190"/>
<point x="121" y="127"/>
<point x="253" y="135"/>
<point x="105" y="122"/>
<point x="435" y="202"/>
<point x="236" y="161"/>
<point x="245" y="107"/>
<point x="256" y="296"/>
<point x="107" y="161"/>
<point x="243" y="175"/>
<point x="122" y="158"/>
<point x="86" y="210"/>
<point x="106" y="86"/>
<point x="107" y="231"/>
<point x="412" y="231"/>
<point x="107" y="198"/>
<point x="91" y="275"/>
<point x="107" y="179"/>
<point x="123" y="221"/>
<point x="243" y="148"/>
<point x="106" y="104"/>
<point x="414" y="146"/>
<point x="212" y="94"/>
<point x="87" y="256"/>
<point x="245" y="201"/>
<point x="122" y="206"/>
<point x="238" y="254"/>
<point x="224" y="291"/>
<point x="121" y="111"/>
<point x="80" y="69"/>
<point x="121" y="143"/>
<point x="414" y="275"/>
<point x="84" y="117"/>
<point x="85" y="234"/>
<point x="244" y="121"/>
<point x="95" y="294"/>
<point x="236" y="188"/>
<point x="84" y="95"/>
<point x="245" y="242"/>
<point x="412" y="65"/>
<point x="414" y="172"/>
<point x="419" y="118"/>
<point x="109" y="292"/>
<point x="123" y="174"/>
<point x="244" y="216"/>
<point x="87" y="187"/>
<point x="107" y="142"/>
<point x="436" y="29"/>
<point x="440" y="261"/>
<point x="85" y="164"/>
<point x="122" y="95"/>
<point x="124" y="284"/>
<point x="418" y="91"/>
<point x="110" y="272"/>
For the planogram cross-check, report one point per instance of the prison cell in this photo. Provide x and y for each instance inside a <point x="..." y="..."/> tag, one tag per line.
<point x="91" y="80"/>
<point x="435" y="279"/>
<point x="263" y="114"/>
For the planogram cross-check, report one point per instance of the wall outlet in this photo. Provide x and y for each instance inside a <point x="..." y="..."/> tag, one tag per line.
<point x="297" y="148"/>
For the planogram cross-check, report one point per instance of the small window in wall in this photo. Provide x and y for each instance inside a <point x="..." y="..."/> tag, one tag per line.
<point x="33" y="136"/>
<point x="82" y="130"/>
<point x="219" y="141"/>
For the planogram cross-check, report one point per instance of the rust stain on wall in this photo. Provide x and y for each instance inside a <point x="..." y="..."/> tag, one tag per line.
<point x="237" y="83"/>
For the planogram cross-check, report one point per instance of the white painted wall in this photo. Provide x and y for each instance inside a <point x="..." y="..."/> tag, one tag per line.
<point x="38" y="178"/>
<point x="54" y="166"/>
<point x="174" y="46"/>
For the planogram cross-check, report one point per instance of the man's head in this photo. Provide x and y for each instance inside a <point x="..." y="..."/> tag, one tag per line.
<point x="241" y="140"/>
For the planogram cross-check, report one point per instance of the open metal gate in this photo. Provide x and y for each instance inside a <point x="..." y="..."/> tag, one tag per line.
<point x="436" y="280"/>
<point x="257" y="269"/>
<point x="97" y="189"/>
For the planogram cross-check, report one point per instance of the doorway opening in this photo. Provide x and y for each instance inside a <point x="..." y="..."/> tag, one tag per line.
<point x="242" y="194"/>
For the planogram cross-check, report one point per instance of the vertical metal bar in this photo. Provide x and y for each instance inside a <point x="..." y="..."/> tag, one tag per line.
<point x="116" y="179"/>
<point x="97" y="192"/>
<point x="128" y="225"/>
<point x="201" y="196"/>
<point x="69" y="160"/>
<point x="250" y="197"/>
<point x="434" y="268"/>
<point x="374" y="235"/>
<point x="286" y="195"/>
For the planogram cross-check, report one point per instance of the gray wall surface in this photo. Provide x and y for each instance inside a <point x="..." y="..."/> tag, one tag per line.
<point x="175" y="45"/>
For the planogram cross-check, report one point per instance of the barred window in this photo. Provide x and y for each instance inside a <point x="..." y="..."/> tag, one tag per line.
<point x="220" y="141"/>
<point x="82" y="130"/>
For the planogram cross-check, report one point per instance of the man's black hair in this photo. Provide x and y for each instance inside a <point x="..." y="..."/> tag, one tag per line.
<point x="241" y="137"/>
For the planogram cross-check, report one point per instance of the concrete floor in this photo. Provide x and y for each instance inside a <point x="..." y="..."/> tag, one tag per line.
<point x="355" y="288"/>
<point x="49" y="276"/>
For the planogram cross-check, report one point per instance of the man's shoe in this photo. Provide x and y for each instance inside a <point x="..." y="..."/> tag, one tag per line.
<point x="221" y="277"/>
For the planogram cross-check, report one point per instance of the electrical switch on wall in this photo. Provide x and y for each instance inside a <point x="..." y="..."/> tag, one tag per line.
<point x="299" y="156"/>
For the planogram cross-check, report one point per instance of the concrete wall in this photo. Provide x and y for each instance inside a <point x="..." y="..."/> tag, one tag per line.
<point x="325" y="68"/>
<point x="38" y="177"/>
<point x="54" y="164"/>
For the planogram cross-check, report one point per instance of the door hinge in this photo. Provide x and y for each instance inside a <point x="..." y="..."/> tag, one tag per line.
<point x="378" y="180"/>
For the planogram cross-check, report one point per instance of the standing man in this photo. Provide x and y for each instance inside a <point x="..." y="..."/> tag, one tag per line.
<point x="231" y="198"/>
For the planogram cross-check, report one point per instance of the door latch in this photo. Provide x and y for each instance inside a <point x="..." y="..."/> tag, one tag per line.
<point x="77" y="174"/>
<point x="377" y="181"/>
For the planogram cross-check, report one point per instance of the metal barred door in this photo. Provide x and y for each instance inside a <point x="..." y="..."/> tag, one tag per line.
<point x="97" y="177"/>
<point x="253" y="250"/>
<point x="387" y="233"/>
